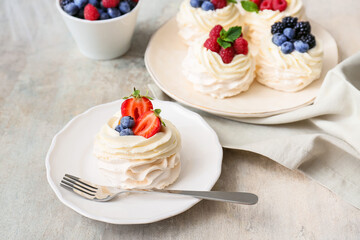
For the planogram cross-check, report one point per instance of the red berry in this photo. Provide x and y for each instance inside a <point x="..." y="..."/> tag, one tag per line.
<point x="110" y="3"/>
<point x="257" y="2"/>
<point x="218" y="4"/>
<point x="91" y="13"/>
<point x="212" y="44"/>
<point x="215" y="32"/>
<point x="280" y="5"/>
<point x="266" y="4"/>
<point x="136" y="105"/>
<point x="227" y="54"/>
<point x="241" y="46"/>
<point x="147" y="125"/>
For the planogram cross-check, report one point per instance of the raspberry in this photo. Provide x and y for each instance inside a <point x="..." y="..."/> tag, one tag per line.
<point x="277" y="27"/>
<point x="227" y="54"/>
<point x="218" y="4"/>
<point x="241" y="46"/>
<point x="212" y="45"/>
<point x="110" y="3"/>
<point x="266" y="5"/>
<point x="302" y="29"/>
<point x="215" y="32"/>
<point x="289" y="22"/>
<point x="91" y="13"/>
<point x="257" y="2"/>
<point x="309" y="39"/>
<point x="280" y="5"/>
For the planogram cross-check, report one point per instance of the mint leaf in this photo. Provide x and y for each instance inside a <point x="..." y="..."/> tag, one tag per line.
<point x="232" y="34"/>
<point x="231" y="1"/>
<point x="223" y="34"/>
<point x="250" y="6"/>
<point x="223" y="43"/>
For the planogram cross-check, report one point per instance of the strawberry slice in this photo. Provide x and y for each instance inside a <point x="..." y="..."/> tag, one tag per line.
<point x="148" y="124"/>
<point x="136" y="105"/>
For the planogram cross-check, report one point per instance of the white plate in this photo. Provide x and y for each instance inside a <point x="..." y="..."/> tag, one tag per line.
<point x="71" y="152"/>
<point x="166" y="52"/>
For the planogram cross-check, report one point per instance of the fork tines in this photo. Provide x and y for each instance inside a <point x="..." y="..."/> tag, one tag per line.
<point x="73" y="183"/>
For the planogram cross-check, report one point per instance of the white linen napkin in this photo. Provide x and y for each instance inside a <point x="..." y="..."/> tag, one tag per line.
<point x="321" y="140"/>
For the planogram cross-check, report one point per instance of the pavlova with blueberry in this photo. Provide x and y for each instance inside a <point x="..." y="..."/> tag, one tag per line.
<point x="220" y="65"/>
<point x="290" y="58"/>
<point x="197" y="17"/>
<point x="136" y="148"/>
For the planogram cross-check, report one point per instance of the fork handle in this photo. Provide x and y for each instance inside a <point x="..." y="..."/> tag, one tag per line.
<point x="232" y="197"/>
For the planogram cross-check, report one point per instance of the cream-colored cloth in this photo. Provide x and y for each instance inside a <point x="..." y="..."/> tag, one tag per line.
<point x="321" y="140"/>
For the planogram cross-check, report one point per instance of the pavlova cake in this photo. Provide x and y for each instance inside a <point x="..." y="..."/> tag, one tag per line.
<point x="136" y="148"/>
<point x="290" y="57"/>
<point x="197" y="17"/>
<point x="220" y="65"/>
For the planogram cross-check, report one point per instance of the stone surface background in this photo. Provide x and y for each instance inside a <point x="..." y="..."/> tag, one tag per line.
<point x="45" y="81"/>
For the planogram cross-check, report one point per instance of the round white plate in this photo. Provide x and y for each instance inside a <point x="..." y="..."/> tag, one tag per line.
<point x="71" y="152"/>
<point x="163" y="59"/>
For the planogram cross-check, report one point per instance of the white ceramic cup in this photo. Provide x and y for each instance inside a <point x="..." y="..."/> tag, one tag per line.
<point x="102" y="39"/>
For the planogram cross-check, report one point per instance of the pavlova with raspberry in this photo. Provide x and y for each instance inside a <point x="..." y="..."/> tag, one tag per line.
<point x="220" y="65"/>
<point x="197" y="17"/>
<point x="136" y="148"/>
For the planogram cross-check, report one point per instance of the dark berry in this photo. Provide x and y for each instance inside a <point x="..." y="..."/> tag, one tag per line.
<point x="301" y="46"/>
<point x="287" y="47"/>
<point x="127" y="122"/>
<point x="124" y="7"/>
<point x="289" y="33"/>
<point x="309" y="39"/>
<point x="207" y="6"/>
<point x="119" y="128"/>
<point x="65" y="2"/>
<point x="277" y="27"/>
<point x="302" y="29"/>
<point x="279" y="39"/>
<point x="126" y="132"/>
<point x="71" y="9"/>
<point x="289" y="22"/>
<point x="131" y="3"/>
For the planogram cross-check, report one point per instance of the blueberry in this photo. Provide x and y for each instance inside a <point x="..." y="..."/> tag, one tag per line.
<point x="119" y="128"/>
<point x="71" y="9"/>
<point x="131" y="3"/>
<point x="113" y="12"/>
<point x="101" y="11"/>
<point x="279" y="39"/>
<point x="289" y="33"/>
<point x="95" y="3"/>
<point x="301" y="46"/>
<point x="287" y="47"/>
<point x="65" y="2"/>
<point x="127" y="122"/>
<point x="104" y="16"/>
<point x="126" y="132"/>
<point x="80" y="3"/>
<point x="80" y="14"/>
<point x="206" y="6"/>
<point x="195" y="3"/>
<point x="124" y="7"/>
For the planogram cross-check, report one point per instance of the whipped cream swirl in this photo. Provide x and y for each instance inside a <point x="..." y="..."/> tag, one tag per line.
<point x="210" y="75"/>
<point x="195" y="22"/>
<point x="137" y="162"/>
<point x="288" y="72"/>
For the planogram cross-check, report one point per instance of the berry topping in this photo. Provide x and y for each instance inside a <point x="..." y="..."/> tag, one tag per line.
<point x="277" y="27"/>
<point x="241" y="46"/>
<point x="127" y="122"/>
<point x="280" y="5"/>
<point x="148" y="124"/>
<point x="126" y="132"/>
<point x="124" y="7"/>
<point x="95" y="3"/>
<point x="91" y="13"/>
<point x="65" y="2"/>
<point x="104" y="16"/>
<point x="266" y="5"/>
<point x="257" y="2"/>
<point x="227" y="54"/>
<point x="309" y="39"/>
<point x="302" y="29"/>
<point x="207" y="6"/>
<point x="289" y="22"/>
<point x="301" y="46"/>
<point x="218" y="4"/>
<point x="110" y="3"/>
<point x="289" y="33"/>
<point x="80" y="3"/>
<point x="135" y="105"/>
<point x="195" y="3"/>
<point x="215" y="32"/>
<point x="119" y="128"/>
<point x="287" y="47"/>
<point x="279" y="39"/>
<point x="113" y="12"/>
<point x="212" y="44"/>
<point x="71" y="9"/>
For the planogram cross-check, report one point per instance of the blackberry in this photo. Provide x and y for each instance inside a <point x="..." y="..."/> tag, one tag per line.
<point x="302" y="29"/>
<point x="277" y="27"/>
<point x="289" y="22"/>
<point x="309" y="39"/>
<point x="65" y="2"/>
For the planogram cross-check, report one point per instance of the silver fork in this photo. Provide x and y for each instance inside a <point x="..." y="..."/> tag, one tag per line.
<point x="103" y="194"/>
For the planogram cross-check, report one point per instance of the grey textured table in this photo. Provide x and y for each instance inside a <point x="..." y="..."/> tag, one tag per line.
<point x="45" y="81"/>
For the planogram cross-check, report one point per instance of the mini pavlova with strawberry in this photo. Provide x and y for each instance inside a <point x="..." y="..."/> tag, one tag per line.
<point x="136" y="148"/>
<point x="220" y="64"/>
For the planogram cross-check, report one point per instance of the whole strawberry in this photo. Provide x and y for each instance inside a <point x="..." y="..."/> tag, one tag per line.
<point x="241" y="46"/>
<point x="91" y="13"/>
<point x="227" y="54"/>
<point x="212" y="45"/>
<point x="135" y="105"/>
<point x="110" y="3"/>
